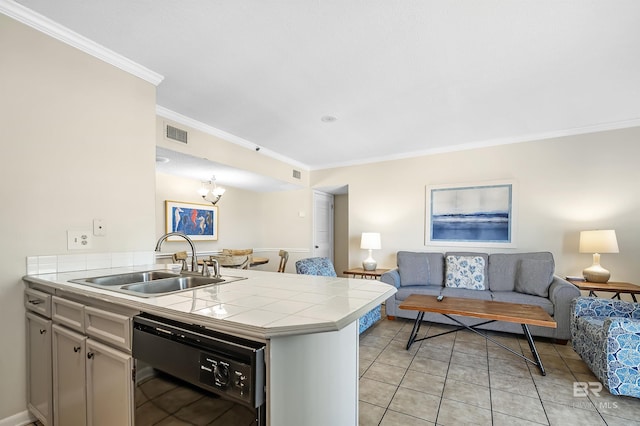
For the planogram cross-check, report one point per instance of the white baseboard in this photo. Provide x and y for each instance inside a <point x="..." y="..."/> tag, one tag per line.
<point x="20" y="419"/>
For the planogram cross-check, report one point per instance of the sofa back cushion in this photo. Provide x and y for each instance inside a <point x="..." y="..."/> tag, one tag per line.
<point x="534" y="277"/>
<point x="419" y="268"/>
<point x="505" y="268"/>
<point x="466" y="270"/>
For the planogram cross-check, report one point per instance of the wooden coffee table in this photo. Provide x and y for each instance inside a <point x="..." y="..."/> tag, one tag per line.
<point x="522" y="314"/>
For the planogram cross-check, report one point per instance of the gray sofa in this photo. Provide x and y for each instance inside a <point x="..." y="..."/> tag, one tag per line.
<point x="515" y="277"/>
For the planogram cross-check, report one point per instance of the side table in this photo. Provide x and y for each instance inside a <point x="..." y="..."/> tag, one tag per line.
<point x="355" y="272"/>
<point x="611" y="286"/>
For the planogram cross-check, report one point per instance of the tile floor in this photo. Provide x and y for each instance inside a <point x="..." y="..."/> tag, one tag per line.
<point x="460" y="378"/>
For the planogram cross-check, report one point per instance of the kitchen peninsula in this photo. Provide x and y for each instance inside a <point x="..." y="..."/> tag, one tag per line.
<point x="307" y="323"/>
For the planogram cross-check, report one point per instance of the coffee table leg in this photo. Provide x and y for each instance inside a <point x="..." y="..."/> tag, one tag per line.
<point x="416" y="329"/>
<point x="532" y="346"/>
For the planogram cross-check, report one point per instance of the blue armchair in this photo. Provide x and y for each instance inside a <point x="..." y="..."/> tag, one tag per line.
<point x="316" y="266"/>
<point x="606" y="335"/>
<point x="324" y="267"/>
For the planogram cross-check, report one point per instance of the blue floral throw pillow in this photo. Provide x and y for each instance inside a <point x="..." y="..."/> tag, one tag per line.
<point x="465" y="272"/>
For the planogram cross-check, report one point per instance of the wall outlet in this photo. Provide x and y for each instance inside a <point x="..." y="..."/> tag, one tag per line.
<point x="79" y="240"/>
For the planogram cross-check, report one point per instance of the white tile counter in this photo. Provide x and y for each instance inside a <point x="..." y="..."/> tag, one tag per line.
<point x="309" y="324"/>
<point x="264" y="305"/>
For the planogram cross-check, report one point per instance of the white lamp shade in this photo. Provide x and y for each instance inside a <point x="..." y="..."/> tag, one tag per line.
<point x="601" y="241"/>
<point x="370" y="240"/>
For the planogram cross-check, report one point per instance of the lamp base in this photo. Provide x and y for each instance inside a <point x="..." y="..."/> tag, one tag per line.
<point x="596" y="274"/>
<point x="369" y="264"/>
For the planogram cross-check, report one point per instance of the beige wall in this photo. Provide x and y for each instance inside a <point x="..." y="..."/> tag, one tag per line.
<point x="266" y="222"/>
<point x="205" y="145"/>
<point x="564" y="185"/>
<point x="78" y="143"/>
<point x="341" y="237"/>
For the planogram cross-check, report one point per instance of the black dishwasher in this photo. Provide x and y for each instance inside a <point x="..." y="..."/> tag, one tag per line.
<point x="188" y="374"/>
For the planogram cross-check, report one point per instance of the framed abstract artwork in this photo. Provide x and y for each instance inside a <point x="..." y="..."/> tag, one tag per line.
<point x="471" y="215"/>
<point x="198" y="221"/>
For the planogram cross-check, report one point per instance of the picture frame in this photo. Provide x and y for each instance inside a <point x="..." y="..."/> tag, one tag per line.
<point x="471" y="215"/>
<point x="198" y="221"/>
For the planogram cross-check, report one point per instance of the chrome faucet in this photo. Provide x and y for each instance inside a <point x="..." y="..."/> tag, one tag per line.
<point x="216" y="268"/>
<point x="194" y="260"/>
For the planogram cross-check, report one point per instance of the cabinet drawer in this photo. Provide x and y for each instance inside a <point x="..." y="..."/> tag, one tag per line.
<point x="108" y="327"/>
<point x="37" y="301"/>
<point x="68" y="313"/>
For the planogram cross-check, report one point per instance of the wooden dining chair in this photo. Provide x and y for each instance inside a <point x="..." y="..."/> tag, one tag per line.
<point x="284" y="257"/>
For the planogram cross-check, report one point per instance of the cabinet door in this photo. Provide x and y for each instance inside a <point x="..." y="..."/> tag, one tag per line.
<point x="109" y="386"/>
<point x="69" y="377"/>
<point x="39" y="368"/>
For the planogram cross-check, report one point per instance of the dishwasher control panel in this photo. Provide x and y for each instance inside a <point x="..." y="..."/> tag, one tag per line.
<point x="230" y="376"/>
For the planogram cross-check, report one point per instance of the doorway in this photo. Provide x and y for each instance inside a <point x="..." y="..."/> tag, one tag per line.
<point x="322" y="225"/>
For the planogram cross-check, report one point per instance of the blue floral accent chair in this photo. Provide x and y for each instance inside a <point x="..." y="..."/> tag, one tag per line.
<point x="316" y="266"/>
<point x="606" y="334"/>
<point x="323" y="266"/>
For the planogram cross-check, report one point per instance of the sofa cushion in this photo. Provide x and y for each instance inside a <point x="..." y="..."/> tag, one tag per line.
<point x="417" y="268"/>
<point x="503" y="268"/>
<point x="465" y="293"/>
<point x="527" y="299"/>
<point x="465" y="271"/>
<point x="534" y="277"/>
<point x="429" y="290"/>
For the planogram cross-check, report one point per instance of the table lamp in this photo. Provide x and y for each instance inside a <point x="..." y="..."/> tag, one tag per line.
<point x="596" y="242"/>
<point x="370" y="241"/>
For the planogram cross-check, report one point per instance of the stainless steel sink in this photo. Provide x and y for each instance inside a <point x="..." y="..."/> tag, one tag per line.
<point x="170" y="285"/>
<point x="153" y="283"/>
<point x="129" y="278"/>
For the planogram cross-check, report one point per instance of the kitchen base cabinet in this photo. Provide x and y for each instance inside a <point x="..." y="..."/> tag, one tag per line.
<point x="39" y="386"/>
<point x="80" y="367"/>
<point x="110" y="384"/>
<point x="92" y="382"/>
<point x="69" y="377"/>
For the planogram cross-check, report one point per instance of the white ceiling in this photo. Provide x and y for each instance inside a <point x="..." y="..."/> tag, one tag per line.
<point x="402" y="77"/>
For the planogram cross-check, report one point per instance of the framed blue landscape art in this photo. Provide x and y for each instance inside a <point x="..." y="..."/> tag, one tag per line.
<point x="198" y="221"/>
<point x="471" y="215"/>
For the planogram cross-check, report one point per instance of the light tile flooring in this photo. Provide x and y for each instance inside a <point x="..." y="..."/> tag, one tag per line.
<point x="460" y="378"/>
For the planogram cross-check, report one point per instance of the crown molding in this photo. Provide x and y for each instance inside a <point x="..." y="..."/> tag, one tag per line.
<point x="65" y="35"/>
<point x="602" y="127"/>
<point x="210" y="130"/>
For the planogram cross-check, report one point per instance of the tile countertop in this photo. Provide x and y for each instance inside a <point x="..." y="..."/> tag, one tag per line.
<point x="265" y="305"/>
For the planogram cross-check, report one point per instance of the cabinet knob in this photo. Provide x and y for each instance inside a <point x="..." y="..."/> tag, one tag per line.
<point x="36" y="301"/>
<point x="42" y="331"/>
<point x="90" y="355"/>
<point x="76" y="348"/>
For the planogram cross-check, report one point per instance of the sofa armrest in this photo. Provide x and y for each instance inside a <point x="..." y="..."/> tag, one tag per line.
<point x="561" y="294"/>
<point x="597" y="307"/>
<point x="391" y="277"/>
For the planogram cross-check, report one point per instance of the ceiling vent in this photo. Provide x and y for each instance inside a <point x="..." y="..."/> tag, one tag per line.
<point x="176" y="134"/>
<point x="296" y="174"/>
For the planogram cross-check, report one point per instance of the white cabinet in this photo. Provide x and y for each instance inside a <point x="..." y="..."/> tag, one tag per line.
<point x="69" y="377"/>
<point x="39" y="387"/>
<point x="80" y="368"/>
<point x="92" y="382"/>
<point x="110" y="384"/>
